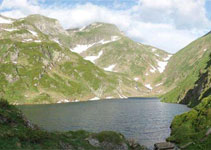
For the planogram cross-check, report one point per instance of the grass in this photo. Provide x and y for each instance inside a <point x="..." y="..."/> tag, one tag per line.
<point x="109" y="137"/>
<point x="185" y="67"/>
<point x="192" y="127"/>
<point x="38" y="69"/>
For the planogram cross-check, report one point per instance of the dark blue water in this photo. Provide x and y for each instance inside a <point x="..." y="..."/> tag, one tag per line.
<point x="145" y="120"/>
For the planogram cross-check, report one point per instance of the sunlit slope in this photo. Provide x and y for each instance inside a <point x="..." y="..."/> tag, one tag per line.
<point x="38" y="68"/>
<point x="107" y="47"/>
<point x="185" y="67"/>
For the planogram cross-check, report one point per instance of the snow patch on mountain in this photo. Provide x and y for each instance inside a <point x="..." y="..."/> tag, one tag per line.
<point x="158" y="84"/>
<point x="10" y="30"/>
<point x="148" y="86"/>
<point x="93" y="58"/>
<point x="33" y="33"/>
<point x="109" y="97"/>
<point x="110" y="68"/>
<point x="37" y="41"/>
<point x="95" y="99"/>
<point x="122" y="96"/>
<point x="154" y="49"/>
<point x="113" y="38"/>
<point x="167" y="58"/>
<point x="157" y="55"/>
<point x="76" y="100"/>
<point x="136" y="79"/>
<point x="81" y="48"/>
<point x="57" y="41"/>
<point x="95" y="25"/>
<point x="153" y="69"/>
<point x="162" y="64"/>
<point x="63" y="101"/>
<point x="81" y="29"/>
<point x="27" y="40"/>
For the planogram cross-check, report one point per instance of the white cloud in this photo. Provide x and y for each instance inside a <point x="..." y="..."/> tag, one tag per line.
<point x="184" y="14"/>
<point x="166" y="24"/>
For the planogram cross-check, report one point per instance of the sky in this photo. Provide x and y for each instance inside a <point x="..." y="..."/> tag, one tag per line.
<point x="167" y="24"/>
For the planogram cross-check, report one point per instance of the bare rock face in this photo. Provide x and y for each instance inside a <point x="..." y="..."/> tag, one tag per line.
<point x="65" y="146"/>
<point x="164" y="146"/>
<point x="107" y="145"/>
<point x="111" y="146"/>
<point x="93" y="142"/>
<point x="134" y="145"/>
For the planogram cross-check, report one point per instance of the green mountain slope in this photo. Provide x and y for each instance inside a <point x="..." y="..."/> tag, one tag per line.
<point x="107" y="47"/>
<point x="202" y="88"/>
<point x="192" y="130"/>
<point x="184" y="68"/>
<point x="37" y="66"/>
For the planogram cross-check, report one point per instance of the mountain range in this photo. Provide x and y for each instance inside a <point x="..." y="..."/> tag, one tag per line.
<point x="43" y="63"/>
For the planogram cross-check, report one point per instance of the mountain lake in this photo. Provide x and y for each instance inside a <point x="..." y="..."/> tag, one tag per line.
<point x="146" y="120"/>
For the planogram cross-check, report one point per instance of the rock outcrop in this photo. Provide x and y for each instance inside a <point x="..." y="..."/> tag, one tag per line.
<point x="164" y="146"/>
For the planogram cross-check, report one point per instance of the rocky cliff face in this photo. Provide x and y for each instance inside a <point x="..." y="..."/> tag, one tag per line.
<point x="201" y="89"/>
<point x="191" y="130"/>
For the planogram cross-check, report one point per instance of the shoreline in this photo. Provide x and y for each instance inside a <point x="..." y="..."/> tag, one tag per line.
<point x="90" y="100"/>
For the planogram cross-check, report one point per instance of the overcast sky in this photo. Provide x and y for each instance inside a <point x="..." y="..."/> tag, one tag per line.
<point x="166" y="24"/>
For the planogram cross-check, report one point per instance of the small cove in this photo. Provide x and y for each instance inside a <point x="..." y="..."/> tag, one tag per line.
<point x="147" y="120"/>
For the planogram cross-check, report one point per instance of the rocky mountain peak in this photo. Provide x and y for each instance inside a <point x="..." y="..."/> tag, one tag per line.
<point x="46" y="25"/>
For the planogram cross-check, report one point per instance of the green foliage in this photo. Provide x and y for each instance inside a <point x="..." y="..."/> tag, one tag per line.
<point x="185" y="67"/>
<point x="192" y="126"/>
<point x="37" y="70"/>
<point x="110" y="137"/>
<point x="4" y="103"/>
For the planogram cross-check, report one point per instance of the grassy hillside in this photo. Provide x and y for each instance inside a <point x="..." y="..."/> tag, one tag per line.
<point x="202" y="88"/>
<point x="46" y="73"/>
<point x="184" y="68"/>
<point x="108" y="48"/>
<point x="38" y="67"/>
<point x="192" y="130"/>
<point x="16" y="132"/>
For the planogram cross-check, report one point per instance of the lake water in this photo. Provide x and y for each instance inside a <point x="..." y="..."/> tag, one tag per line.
<point x="147" y="120"/>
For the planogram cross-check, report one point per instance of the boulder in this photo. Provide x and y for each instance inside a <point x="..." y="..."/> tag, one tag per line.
<point x="65" y="146"/>
<point x="93" y="142"/>
<point x="164" y="146"/>
<point x="107" y="145"/>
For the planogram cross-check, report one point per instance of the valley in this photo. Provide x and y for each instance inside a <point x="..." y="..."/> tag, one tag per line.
<point x="43" y="63"/>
